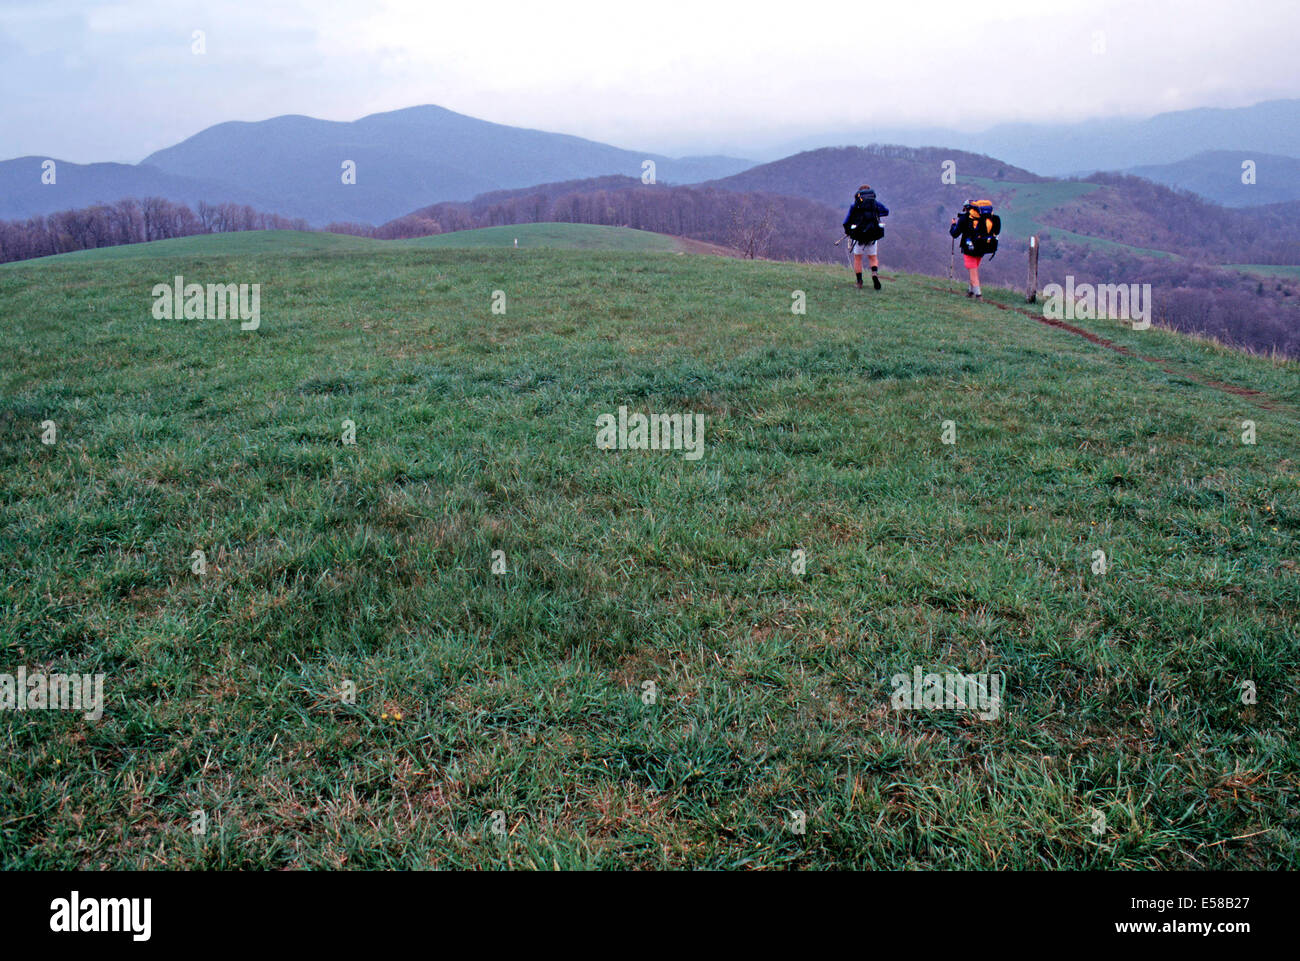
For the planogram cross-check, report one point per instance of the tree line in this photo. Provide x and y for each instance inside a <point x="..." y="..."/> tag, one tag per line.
<point x="129" y="221"/>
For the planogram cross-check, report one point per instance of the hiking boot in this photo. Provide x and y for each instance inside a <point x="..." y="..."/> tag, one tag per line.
<point x="875" y="281"/>
<point x="970" y="293"/>
<point x="859" y="285"/>
<point x="978" y="297"/>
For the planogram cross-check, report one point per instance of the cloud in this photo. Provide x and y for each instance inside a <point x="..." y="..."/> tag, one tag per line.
<point x="117" y="80"/>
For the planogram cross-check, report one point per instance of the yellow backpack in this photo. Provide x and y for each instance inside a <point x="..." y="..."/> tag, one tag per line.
<point x="987" y="226"/>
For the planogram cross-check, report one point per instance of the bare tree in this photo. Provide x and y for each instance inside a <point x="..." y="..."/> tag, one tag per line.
<point x="752" y="228"/>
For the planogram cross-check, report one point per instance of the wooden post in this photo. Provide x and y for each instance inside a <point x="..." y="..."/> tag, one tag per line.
<point x="1031" y="285"/>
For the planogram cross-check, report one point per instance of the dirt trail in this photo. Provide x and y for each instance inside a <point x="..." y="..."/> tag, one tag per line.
<point x="1258" y="397"/>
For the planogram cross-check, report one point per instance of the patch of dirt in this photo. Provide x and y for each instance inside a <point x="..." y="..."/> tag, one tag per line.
<point x="703" y="247"/>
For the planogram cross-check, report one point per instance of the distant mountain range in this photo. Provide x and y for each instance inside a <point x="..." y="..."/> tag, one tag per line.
<point x="293" y="166"/>
<point x="420" y="156"/>
<point x="24" y="194"/>
<point x="911" y="175"/>
<point x="1217" y="175"/>
<point x="1077" y="148"/>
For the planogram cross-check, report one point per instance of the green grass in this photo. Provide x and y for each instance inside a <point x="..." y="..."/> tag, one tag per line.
<point x="1029" y="204"/>
<point x="554" y="236"/>
<point x="212" y="245"/>
<point x="557" y="236"/>
<point x="521" y="692"/>
<point x="1285" y="271"/>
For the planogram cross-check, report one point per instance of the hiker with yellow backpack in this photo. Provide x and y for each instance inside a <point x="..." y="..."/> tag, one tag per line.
<point x="978" y="227"/>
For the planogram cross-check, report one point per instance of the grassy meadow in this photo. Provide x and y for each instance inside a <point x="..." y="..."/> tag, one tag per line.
<point x="550" y="236"/>
<point x="1125" y="738"/>
<point x="558" y="236"/>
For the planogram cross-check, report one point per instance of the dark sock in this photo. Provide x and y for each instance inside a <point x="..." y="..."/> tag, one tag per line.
<point x="874" y="279"/>
<point x="859" y="278"/>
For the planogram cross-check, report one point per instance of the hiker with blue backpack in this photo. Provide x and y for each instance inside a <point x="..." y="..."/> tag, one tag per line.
<point x="862" y="226"/>
<point x="978" y="227"/>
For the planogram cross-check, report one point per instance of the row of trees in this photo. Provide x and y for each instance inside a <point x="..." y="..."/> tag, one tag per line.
<point x="755" y="224"/>
<point x="1234" y="306"/>
<point x="128" y="221"/>
<point x="1134" y="211"/>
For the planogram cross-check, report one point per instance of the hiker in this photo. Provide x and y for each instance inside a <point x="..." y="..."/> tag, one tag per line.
<point x="862" y="226"/>
<point x="978" y="227"/>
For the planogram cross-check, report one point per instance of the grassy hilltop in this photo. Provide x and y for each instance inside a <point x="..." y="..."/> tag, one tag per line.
<point x="549" y="236"/>
<point x="522" y="692"/>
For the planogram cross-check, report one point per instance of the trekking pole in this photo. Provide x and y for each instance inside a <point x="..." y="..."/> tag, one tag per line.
<point x="847" y="250"/>
<point x="952" y="255"/>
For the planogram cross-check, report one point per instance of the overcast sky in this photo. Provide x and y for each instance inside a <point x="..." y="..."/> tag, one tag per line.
<point x="84" y="80"/>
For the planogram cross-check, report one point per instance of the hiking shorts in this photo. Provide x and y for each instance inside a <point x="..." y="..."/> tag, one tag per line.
<point x="972" y="261"/>
<point x="867" y="250"/>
